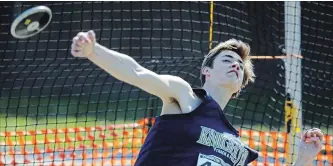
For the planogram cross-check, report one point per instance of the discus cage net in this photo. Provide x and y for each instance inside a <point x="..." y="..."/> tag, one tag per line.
<point x="56" y="109"/>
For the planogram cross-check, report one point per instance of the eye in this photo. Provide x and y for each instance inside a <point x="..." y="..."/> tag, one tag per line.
<point x="226" y="60"/>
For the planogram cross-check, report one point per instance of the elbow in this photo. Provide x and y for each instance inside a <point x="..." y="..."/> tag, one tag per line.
<point x="139" y="72"/>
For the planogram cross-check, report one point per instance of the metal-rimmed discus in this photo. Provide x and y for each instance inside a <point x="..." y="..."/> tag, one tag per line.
<point x="31" y="22"/>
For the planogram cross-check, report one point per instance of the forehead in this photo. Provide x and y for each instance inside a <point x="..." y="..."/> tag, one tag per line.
<point x="228" y="54"/>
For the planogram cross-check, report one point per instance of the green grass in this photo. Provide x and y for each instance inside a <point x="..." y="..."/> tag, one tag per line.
<point x="26" y="124"/>
<point x="10" y="124"/>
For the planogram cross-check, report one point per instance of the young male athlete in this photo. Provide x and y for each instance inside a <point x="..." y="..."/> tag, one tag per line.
<point x="192" y="129"/>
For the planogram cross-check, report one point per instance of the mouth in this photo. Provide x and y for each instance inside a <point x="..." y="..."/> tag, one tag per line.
<point x="234" y="72"/>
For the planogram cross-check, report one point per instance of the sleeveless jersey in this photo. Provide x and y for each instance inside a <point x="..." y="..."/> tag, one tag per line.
<point x="203" y="137"/>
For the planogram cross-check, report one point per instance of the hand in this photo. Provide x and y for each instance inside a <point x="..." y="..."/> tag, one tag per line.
<point x="310" y="146"/>
<point x="84" y="44"/>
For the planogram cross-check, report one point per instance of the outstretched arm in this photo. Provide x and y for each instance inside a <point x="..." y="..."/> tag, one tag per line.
<point x="125" y="68"/>
<point x="309" y="147"/>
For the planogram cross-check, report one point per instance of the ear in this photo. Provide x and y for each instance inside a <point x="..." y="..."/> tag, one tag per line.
<point x="205" y="71"/>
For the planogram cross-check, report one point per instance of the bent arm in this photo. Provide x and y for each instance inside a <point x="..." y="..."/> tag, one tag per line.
<point x="125" y="68"/>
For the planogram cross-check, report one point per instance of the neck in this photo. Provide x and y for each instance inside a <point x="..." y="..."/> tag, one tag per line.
<point x="219" y="94"/>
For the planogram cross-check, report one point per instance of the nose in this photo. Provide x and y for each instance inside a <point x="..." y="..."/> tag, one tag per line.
<point x="235" y="66"/>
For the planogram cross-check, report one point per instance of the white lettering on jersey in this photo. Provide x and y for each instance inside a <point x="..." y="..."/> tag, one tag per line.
<point x="224" y="143"/>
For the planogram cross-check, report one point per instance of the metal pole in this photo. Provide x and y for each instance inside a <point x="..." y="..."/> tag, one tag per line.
<point x="293" y="67"/>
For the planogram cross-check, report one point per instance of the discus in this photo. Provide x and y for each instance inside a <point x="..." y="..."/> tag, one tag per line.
<point x="31" y="22"/>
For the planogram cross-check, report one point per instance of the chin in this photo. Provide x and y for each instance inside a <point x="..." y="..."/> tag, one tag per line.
<point x="232" y="86"/>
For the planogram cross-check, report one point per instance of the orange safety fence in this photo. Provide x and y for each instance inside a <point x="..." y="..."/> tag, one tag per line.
<point x="271" y="147"/>
<point x="108" y="145"/>
<point x="119" y="145"/>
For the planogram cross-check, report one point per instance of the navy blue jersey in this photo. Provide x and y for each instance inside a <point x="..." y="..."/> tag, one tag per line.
<point x="203" y="137"/>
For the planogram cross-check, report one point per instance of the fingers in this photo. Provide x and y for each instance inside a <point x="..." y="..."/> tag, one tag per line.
<point x="315" y="132"/>
<point x="318" y="133"/>
<point x="76" y="45"/>
<point x="313" y="136"/>
<point x="80" y="41"/>
<point x="91" y="35"/>
<point x="318" y="143"/>
<point x="308" y="134"/>
<point x="75" y="52"/>
<point x="83" y="37"/>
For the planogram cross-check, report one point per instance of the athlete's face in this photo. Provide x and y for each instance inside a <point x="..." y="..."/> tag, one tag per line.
<point x="227" y="71"/>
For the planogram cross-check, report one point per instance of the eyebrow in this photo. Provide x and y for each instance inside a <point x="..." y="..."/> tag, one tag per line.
<point x="229" y="56"/>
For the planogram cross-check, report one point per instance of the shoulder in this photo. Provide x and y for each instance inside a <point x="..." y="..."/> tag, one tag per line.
<point x="177" y="86"/>
<point x="175" y="81"/>
<point x="186" y="102"/>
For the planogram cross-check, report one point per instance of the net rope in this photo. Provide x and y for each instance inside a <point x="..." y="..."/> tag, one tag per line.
<point x="56" y="109"/>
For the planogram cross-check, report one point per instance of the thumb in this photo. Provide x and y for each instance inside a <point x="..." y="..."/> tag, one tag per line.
<point x="91" y="35"/>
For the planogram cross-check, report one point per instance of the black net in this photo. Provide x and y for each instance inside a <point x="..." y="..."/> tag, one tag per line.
<point x="317" y="65"/>
<point x="58" y="109"/>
